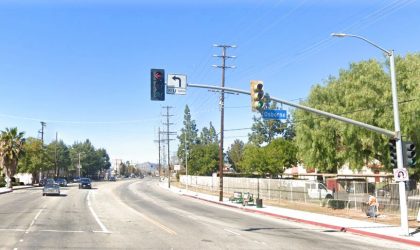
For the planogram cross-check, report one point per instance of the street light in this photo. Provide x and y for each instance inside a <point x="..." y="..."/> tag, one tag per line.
<point x="397" y="135"/>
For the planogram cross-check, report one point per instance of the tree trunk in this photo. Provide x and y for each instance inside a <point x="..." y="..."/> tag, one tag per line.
<point x="9" y="183"/>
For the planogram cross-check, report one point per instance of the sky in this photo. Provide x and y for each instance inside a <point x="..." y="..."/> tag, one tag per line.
<point x="83" y="67"/>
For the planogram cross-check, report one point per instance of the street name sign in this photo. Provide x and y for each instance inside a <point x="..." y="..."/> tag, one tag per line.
<point x="274" y="114"/>
<point x="177" y="84"/>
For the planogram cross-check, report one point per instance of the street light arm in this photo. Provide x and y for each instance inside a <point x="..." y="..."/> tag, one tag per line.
<point x="389" y="53"/>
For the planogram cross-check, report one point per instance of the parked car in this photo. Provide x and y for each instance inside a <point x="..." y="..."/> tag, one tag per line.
<point x="61" y="181"/>
<point x="46" y="181"/>
<point x="76" y="179"/>
<point x="42" y="182"/>
<point x="112" y="178"/>
<point x="85" y="183"/>
<point x="51" y="188"/>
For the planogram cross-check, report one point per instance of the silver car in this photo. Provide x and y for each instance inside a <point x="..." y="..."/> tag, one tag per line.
<point x="51" y="188"/>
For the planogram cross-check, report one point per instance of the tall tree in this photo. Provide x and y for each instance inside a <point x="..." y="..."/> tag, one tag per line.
<point x="264" y="131"/>
<point x="204" y="159"/>
<point x="208" y="135"/>
<point x="88" y="158"/>
<point x="34" y="159"/>
<point x="235" y="153"/>
<point x="188" y="136"/>
<point x="254" y="160"/>
<point x="362" y="93"/>
<point x="11" y="148"/>
<point x="280" y="154"/>
<point x="59" y="156"/>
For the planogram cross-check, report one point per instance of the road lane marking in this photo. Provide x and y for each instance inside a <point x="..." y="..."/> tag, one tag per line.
<point x="235" y="233"/>
<point x="170" y="231"/>
<point x="36" y="217"/>
<point x="12" y="229"/>
<point x="104" y="229"/>
<point x="154" y="222"/>
<point x="60" y="231"/>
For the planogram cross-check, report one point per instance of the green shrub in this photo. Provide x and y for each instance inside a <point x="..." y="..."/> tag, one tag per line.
<point x="2" y="182"/>
<point x="337" y="204"/>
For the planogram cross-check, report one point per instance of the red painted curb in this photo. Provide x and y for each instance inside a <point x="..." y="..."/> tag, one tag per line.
<point x="342" y="229"/>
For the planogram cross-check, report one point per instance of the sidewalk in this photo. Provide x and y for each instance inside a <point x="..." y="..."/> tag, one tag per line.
<point x="370" y="229"/>
<point x="4" y="190"/>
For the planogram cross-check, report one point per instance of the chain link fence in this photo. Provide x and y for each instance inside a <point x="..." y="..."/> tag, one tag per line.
<point x="347" y="194"/>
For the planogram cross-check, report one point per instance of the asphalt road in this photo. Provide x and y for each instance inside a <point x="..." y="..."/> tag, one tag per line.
<point x="138" y="214"/>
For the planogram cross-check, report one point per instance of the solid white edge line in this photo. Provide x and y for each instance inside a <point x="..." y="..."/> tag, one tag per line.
<point x="104" y="229"/>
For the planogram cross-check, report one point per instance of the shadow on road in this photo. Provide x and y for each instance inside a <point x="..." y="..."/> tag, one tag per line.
<point x="60" y="195"/>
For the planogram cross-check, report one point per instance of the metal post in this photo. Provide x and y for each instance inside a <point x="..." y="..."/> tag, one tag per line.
<point x="159" y="152"/>
<point x="403" y="201"/>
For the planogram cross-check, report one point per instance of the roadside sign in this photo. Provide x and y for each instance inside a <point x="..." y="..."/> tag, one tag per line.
<point x="177" y="84"/>
<point x="400" y="174"/>
<point x="177" y="167"/>
<point x="274" y="114"/>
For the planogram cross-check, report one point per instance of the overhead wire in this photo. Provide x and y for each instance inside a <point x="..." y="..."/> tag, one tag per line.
<point x="327" y="42"/>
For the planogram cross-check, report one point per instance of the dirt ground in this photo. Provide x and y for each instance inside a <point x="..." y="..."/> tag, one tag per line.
<point x="389" y="219"/>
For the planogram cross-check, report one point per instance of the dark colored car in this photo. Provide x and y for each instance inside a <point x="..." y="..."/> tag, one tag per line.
<point x="62" y="182"/>
<point x="112" y="178"/>
<point x="46" y="181"/>
<point x="51" y="188"/>
<point x="85" y="183"/>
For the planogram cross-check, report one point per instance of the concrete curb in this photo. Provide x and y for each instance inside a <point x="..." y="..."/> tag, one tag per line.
<point x="11" y="190"/>
<point x="338" y="228"/>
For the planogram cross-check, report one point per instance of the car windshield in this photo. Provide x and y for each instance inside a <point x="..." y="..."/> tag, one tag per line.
<point x="51" y="185"/>
<point x="85" y="180"/>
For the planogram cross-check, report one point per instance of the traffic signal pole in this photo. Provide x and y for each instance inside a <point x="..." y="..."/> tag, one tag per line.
<point x="386" y="132"/>
<point x="403" y="201"/>
<point x="393" y="134"/>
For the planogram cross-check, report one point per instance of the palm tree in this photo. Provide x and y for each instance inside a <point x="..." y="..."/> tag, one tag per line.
<point x="11" y="145"/>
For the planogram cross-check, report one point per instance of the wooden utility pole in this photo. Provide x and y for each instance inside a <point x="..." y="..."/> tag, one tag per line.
<point x="222" y="113"/>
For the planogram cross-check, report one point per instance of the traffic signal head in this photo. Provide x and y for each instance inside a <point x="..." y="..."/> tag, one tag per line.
<point x="409" y="154"/>
<point x="157" y="85"/>
<point x="393" y="152"/>
<point x="257" y="95"/>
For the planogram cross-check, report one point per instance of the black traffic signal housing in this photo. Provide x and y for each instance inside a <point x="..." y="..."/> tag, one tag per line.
<point x="409" y="154"/>
<point x="157" y="84"/>
<point x="257" y="95"/>
<point x="393" y="152"/>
